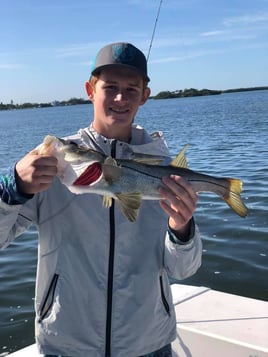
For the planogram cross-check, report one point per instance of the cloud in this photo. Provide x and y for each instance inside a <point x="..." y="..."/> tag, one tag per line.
<point x="11" y="66"/>
<point x="209" y="52"/>
<point x="226" y="36"/>
<point x="72" y="50"/>
<point x="246" y="19"/>
<point x="80" y="49"/>
<point x="192" y="54"/>
<point x="246" y="27"/>
<point x="211" y="33"/>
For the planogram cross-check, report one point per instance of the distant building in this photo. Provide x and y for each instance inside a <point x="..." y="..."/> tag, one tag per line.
<point x="55" y="103"/>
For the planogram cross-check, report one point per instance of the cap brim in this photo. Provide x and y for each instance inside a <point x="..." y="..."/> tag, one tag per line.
<point x="97" y="70"/>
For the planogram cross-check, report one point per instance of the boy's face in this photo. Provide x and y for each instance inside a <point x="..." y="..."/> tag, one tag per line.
<point x="116" y="97"/>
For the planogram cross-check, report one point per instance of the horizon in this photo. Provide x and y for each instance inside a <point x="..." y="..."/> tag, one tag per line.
<point x="56" y="102"/>
<point x="47" y="49"/>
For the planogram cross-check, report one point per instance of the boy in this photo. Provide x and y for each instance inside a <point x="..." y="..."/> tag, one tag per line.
<point x="102" y="282"/>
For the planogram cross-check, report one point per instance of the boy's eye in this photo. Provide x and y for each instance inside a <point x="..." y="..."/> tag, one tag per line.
<point x="114" y="88"/>
<point x="110" y="87"/>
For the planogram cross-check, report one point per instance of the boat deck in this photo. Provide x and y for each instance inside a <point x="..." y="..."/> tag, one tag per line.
<point x="212" y="323"/>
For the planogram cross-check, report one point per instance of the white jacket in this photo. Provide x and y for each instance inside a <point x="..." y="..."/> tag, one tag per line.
<point x="102" y="282"/>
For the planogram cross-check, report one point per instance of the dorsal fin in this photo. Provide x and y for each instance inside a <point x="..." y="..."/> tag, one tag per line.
<point x="180" y="159"/>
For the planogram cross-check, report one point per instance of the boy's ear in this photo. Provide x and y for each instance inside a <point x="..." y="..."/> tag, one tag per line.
<point x="89" y="90"/>
<point x="146" y="95"/>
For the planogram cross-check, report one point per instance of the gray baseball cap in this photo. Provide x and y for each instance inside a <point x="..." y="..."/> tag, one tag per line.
<point x="123" y="54"/>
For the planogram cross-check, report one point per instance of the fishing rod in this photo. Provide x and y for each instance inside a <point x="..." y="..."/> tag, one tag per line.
<point x="156" y="20"/>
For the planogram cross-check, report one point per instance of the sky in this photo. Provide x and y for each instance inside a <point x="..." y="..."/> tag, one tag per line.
<point x="47" y="47"/>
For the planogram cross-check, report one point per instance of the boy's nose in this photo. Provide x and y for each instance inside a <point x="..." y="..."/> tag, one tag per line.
<point x="120" y="97"/>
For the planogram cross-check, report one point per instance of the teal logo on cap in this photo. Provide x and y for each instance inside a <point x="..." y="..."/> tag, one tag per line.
<point x="123" y="54"/>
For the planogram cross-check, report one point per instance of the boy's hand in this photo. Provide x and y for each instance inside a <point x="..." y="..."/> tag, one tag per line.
<point x="181" y="203"/>
<point x="34" y="172"/>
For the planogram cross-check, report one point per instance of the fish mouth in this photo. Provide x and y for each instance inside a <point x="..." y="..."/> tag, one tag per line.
<point x="90" y="176"/>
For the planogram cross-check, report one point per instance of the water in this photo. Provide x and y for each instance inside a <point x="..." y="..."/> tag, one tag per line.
<point x="227" y="136"/>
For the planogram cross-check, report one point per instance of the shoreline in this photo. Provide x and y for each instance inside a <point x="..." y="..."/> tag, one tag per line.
<point x="192" y="92"/>
<point x="185" y="93"/>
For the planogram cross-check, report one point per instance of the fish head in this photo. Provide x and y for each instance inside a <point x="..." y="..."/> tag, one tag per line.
<point x="75" y="153"/>
<point x="69" y="150"/>
<point x="77" y="165"/>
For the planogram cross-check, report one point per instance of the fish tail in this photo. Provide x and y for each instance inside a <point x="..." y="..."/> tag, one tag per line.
<point x="233" y="199"/>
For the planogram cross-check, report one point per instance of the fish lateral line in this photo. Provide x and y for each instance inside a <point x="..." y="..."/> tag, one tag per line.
<point x="203" y="180"/>
<point x="228" y="188"/>
<point x="142" y="172"/>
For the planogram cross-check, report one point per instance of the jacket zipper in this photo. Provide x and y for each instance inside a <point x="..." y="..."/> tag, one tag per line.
<point x="164" y="300"/>
<point x="110" y="270"/>
<point x="48" y="302"/>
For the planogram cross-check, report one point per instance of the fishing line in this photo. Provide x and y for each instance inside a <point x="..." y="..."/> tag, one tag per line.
<point x="156" y="20"/>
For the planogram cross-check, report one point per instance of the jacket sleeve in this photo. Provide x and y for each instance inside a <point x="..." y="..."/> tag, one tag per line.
<point x="14" y="219"/>
<point x="183" y="260"/>
<point x="12" y="223"/>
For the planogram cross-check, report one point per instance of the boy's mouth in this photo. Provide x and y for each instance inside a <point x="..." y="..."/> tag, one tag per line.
<point x="119" y="111"/>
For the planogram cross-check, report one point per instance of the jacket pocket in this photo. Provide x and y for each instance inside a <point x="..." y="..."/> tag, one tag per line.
<point x="49" y="299"/>
<point x="164" y="300"/>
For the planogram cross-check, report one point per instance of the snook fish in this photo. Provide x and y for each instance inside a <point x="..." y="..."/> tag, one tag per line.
<point x="130" y="181"/>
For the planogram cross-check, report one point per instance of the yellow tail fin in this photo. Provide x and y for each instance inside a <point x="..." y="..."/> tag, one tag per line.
<point x="234" y="199"/>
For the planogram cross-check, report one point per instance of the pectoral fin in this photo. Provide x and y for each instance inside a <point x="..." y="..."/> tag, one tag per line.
<point x="129" y="205"/>
<point x="110" y="161"/>
<point x="111" y="171"/>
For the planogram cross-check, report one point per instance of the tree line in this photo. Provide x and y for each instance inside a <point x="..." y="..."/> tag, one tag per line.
<point x="192" y="92"/>
<point x="72" y="101"/>
<point x="181" y="93"/>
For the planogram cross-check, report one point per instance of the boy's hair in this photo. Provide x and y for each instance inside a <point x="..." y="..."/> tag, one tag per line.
<point x="93" y="80"/>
